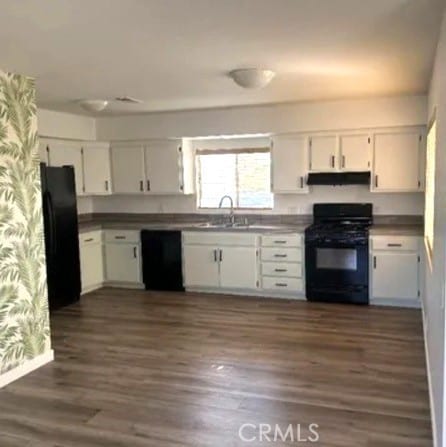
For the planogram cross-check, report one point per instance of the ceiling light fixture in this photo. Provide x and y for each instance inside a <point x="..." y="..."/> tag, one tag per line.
<point x="252" y="77"/>
<point x="93" y="105"/>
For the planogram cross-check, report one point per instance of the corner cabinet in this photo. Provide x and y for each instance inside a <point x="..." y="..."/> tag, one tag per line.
<point x="96" y="167"/>
<point x="289" y="164"/>
<point x="91" y="260"/>
<point x="398" y="162"/>
<point x="153" y="167"/>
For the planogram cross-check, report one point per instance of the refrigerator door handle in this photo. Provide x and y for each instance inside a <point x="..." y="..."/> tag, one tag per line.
<point x="52" y="224"/>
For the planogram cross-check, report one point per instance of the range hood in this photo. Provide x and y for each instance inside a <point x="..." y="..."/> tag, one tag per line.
<point x="339" y="178"/>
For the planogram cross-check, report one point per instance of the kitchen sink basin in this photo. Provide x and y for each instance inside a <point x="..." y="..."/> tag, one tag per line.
<point x="237" y="226"/>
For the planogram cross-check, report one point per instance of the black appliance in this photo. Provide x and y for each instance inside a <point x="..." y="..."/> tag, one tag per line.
<point x="61" y="235"/>
<point x="339" y="178"/>
<point x="161" y="260"/>
<point x="337" y="253"/>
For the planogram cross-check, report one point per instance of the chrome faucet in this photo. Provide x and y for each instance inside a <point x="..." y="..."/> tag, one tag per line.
<point x="231" y="211"/>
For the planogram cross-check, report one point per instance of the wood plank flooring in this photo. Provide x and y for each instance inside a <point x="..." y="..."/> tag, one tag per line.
<point x="136" y="368"/>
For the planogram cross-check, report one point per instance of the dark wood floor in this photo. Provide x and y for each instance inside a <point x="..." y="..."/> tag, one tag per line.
<point x="138" y="369"/>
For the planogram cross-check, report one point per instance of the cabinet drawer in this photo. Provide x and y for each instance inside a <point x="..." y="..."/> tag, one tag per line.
<point x="91" y="237"/>
<point x="282" y="269"/>
<point x="284" y="284"/>
<point x="282" y="254"/>
<point x="282" y="240"/>
<point x="395" y="243"/>
<point x="218" y="238"/>
<point x="126" y="236"/>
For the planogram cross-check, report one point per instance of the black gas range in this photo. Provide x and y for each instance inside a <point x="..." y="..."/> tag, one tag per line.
<point x="337" y="253"/>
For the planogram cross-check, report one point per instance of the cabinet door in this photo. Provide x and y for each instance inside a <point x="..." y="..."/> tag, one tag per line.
<point x="200" y="266"/>
<point x="355" y="152"/>
<point x="323" y="153"/>
<point x="396" y="162"/>
<point x="123" y="263"/>
<point x="395" y="275"/>
<point x="68" y="154"/>
<point x="97" y="173"/>
<point x="289" y="164"/>
<point x="128" y="175"/>
<point x="92" y="265"/>
<point x="238" y="267"/>
<point x="44" y="151"/>
<point x="163" y="168"/>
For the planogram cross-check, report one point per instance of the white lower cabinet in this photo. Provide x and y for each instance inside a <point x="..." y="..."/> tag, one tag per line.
<point x="220" y="260"/>
<point x="395" y="269"/>
<point x="123" y="257"/>
<point x="91" y="260"/>
<point x="238" y="267"/>
<point x="200" y="266"/>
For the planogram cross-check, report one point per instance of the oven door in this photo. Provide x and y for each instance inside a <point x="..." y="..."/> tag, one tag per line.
<point x="337" y="271"/>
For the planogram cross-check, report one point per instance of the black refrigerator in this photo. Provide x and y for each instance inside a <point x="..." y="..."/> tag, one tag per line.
<point x="61" y="235"/>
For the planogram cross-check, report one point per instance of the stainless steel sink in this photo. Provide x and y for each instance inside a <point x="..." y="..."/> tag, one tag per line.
<point x="237" y="226"/>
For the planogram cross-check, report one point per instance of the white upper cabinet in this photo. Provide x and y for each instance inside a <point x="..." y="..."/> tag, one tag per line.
<point x="97" y="172"/>
<point x="44" y="150"/>
<point x="68" y="153"/>
<point x="397" y="162"/>
<point x="154" y="167"/>
<point x="289" y="164"/>
<point x="164" y="167"/>
<point x="323" y="153"/>
<point x="128" y="169"/>
<point x="355" y="153"/>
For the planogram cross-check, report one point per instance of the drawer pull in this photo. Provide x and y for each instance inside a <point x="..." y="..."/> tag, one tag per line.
<point x="394" y="245"/>
<point x="280" y="256"/>
<point x="280" y="270"/>
<point x="119" y="237"/>
<point x="280" y="242"/>
<point x="89" y="239"/>
<point x="281" y="284"/>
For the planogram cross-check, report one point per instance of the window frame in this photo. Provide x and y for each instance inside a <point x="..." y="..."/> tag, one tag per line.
<point x="429" y="243"/>
<point x="235" y="151"/>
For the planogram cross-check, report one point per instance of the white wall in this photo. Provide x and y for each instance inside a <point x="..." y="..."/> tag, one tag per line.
<point x="283" y="204"/>
<point x="296" y="117"/>
<point x="84" y="205"/>
<point x="435" y="279"/>
<point x="65" y="125"/>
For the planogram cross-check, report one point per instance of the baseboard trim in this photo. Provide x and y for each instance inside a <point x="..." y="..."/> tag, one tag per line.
<point x="429" y="381"/>
<point x="26" y="368"/>
<point x="124" y="285"/>
<point x="260" y="293"/>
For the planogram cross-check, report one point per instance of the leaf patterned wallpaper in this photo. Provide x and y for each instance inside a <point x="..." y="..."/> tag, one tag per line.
<point x="24" y="318"/>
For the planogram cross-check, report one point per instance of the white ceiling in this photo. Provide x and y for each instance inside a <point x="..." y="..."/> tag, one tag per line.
<point x="174" y="54"/>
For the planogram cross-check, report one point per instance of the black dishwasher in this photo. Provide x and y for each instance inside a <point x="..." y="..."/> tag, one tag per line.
<point x="161" y="260"/>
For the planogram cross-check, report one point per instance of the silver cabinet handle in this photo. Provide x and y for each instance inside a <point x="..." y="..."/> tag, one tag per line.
<point x="343" y="161"/>
<point x="135" y="253"/>
<point x="280" y="270"/>
<point x="332" y="161"/>
<point x="119" y="237"/>
<point x="280" y="242"/>
<point x="376" y="181"/>
<point x="141" y="185"/>
<point x="215" y="255"/>
<point x="301" y="182"/>
<point x="394" y="245"/>
<point x="106" y="185"/>
<point x="88" y="240"/>
<point x="374" y="262"/>
<point x="280" y="256"/>
<point x="221" y="255"/>
<point x="148" y="185"/>
<point x="281" y="284"/>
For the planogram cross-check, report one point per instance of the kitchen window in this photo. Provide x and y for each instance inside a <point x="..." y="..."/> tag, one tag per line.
<point x="243" y="174"/>
<point x="430" y="189"/>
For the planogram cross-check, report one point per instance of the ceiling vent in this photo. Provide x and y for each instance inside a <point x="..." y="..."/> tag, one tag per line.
<point x="128" y="100"/>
